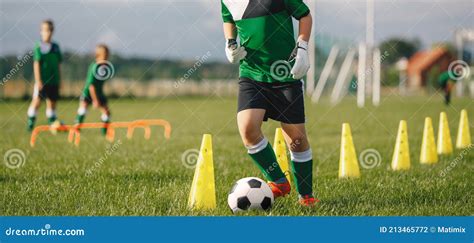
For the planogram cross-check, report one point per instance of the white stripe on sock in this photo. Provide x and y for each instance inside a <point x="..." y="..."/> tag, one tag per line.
<point x="300" y="157"/>
<point x="258" y="147"/>
<point x="31" y="112"/>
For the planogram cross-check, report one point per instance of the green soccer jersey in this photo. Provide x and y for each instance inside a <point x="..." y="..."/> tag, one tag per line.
<point x="49" y="57"/>
<point x="445" y="77"/>
<point x="265" y="29"/>
<point x="94" y="79"/>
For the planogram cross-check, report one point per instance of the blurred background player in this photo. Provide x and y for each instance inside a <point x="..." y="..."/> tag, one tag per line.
<point x="47" y="69"/>
<point x="447" y="81"/>
<point x="93" y="92"/>
<point x="265" y="30"/>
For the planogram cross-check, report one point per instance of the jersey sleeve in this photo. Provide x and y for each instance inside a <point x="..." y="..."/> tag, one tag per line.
<point x="37" y="53"/>
<point x="226" y="15"/>
<point x="296" y="8"/>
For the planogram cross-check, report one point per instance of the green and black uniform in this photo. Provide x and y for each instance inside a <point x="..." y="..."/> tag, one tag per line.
<point x="97" y="81"/>
<point x="265" y="30"/>
<point x="446" y="78"/>
<point x="49" y="57"/>
<point x="97" y="75"/>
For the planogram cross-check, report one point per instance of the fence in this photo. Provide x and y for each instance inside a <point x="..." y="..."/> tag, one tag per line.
<point x="16" y="89"/>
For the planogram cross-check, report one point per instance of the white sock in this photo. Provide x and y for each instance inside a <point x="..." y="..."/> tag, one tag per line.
<point x="31" y="112"/>
<point x="104" y="117"/>
<point x="81" y="111"/>
<point x="257" y="147"/>
<point x="300" y="157"/>
<point x="50" y="113"/>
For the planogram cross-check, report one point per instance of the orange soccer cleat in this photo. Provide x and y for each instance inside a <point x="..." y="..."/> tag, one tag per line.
<point x="280" y="189"/>
<point x="308" y="200"/>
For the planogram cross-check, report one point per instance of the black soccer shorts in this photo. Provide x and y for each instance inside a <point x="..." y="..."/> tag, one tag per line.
<point x="282" y="101"/>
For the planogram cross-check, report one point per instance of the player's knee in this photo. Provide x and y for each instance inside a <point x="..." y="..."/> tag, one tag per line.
<point x="251" y="135"/>
<point x="299" y="143"/>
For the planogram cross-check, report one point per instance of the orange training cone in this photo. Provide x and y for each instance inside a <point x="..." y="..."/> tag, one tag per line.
<point x="348" y="164"/>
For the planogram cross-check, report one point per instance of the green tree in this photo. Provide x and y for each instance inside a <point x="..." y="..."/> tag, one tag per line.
<point x="398" y="48"/>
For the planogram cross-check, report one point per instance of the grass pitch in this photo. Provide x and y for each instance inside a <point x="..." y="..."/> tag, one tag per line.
<point x="140" y="177"/>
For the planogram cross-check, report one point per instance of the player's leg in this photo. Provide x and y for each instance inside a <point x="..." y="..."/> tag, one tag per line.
<point x="51" y="93"/>
<point x="33" y="109"/>
<point x="447" y="90"/>
<point x="51" y="110"/>
<point x="105" y="117"/>
<point x="301" y="160"/>
<point x="81" y="111"/>
<point x="259" y="149"/>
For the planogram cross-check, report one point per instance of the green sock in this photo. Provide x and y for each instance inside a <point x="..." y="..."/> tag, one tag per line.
<point x="31" y="123"/>
<point x="104" y="129"/>
<point x="51" y="119"/>
<point x="80" y="119"/>
<point x="302" y="168"/>
<point x="264" y="157"/>
<point x="106" y="120"/>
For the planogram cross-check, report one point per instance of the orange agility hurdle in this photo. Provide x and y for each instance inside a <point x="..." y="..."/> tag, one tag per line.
<point x="151" y="122"/>
<point x="46" y="128"/>
<point x="75" y="135"/>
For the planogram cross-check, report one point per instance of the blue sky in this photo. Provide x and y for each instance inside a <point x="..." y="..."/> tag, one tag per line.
<point x="190" y="28"/>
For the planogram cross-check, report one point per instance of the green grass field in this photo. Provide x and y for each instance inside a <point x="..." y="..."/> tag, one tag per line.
<point x="142" y="177"/>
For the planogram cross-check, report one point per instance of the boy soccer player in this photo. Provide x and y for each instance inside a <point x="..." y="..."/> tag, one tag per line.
<point x="265" y="30"/>
<point x="47" y="65"/>
<point x="447" y="81"/>
<point x="93" y="90"/>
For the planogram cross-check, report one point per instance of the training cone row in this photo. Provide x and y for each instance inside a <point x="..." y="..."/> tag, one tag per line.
<point x="430" y="148"/>
<point x="203" y="190"/>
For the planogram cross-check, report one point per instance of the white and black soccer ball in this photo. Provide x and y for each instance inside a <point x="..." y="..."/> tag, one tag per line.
<point x="250" y="193"/>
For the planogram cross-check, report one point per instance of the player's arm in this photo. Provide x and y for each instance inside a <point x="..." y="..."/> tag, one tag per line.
<point x="59" y="73"/>
<point x="90" y="85"/>
<point x="302" y="64"/>
<point x="93" y="94"/>
<point x="299" y="11"/>
<point x="60" y="58"/>
<point x="37" y="67"/>
<point x="230" y="32"/>
<point x="233" y="51"/>
<point x="37" y="73"/>
<point x="305" y="26"/>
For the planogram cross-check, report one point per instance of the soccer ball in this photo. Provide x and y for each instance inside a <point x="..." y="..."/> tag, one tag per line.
<point x="250" y="193"/>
